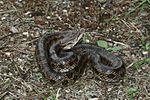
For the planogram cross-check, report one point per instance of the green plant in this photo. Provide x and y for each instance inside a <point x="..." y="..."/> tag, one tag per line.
<point x="45" y="98"/>
<point x="138" y="64"/>
<point x="54" y="98"/>
<point x="132" y="92"/>
<point x="104" y="44"/>
<point x="142" y="5"/>
<point x="147" y="46"/>
<point x="143" y="44"/>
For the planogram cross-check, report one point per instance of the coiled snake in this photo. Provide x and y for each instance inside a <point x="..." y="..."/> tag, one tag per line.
<point x="62" y="59"/>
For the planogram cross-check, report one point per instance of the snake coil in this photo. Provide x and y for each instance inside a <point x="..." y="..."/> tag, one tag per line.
<point x="64" y="66"/>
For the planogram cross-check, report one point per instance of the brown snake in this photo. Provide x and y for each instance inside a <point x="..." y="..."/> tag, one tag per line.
<point x="62" y="60"/>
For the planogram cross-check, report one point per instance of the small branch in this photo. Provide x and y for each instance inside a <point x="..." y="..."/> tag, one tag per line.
<point x="17" y="79"/>
<point x="130" y="65"/>
<point x="57" y="95"/>
<point x="4" y="36"/>
<point x="120" y="43"/>
<point x="32" y="41"/>
<point x="8" y="11"/>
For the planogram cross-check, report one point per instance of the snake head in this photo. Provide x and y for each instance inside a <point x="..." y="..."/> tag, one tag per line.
<point x="71" y="38"/>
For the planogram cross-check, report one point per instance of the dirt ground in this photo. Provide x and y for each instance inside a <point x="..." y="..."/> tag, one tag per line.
<point x="121" y="23"/>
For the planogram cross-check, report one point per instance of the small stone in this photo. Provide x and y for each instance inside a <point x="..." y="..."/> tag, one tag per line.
<point x="14" y="30"/>
<point x="67" y="91"/>
<point x="145" y="52"/>
<point x="139" y="70"/>
<point x="86" y="7"/>
<point x="109" y="89"/>
<point x="81" y="91"/>
<point x="10" y="74"/>
<point x="94" y="99"/>
<point x="102" y="8"/>
<point x="20" y="60"/>
<point x="65" y="11"/>
<point x="1" y="2"/>
<point x="8" y="53"/>
<point x="26" y="33"/>
<point x="87" y="40"/>
<point x="12" y="39"/>
<point x="3" y="18"/>
<point x="48" y="17"/>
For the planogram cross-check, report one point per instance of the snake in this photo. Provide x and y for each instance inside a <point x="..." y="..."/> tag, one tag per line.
<point x="62" y="58"/>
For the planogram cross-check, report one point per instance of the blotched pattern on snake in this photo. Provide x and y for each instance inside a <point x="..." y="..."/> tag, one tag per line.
<point x="62" y="59"/>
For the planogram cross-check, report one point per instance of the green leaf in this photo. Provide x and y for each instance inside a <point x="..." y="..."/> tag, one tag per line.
<point x="102" y="43"/>
<point x="115" y="49"/>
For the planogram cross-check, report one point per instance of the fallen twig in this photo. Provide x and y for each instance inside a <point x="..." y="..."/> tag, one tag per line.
<point x="4" y="36"/>
<point x="57" y="95"/>
<point x="8" y="11"/>
<point x="120" y="43"/>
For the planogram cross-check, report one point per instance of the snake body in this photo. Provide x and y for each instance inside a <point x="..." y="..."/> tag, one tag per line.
<point x="64" y="66"/>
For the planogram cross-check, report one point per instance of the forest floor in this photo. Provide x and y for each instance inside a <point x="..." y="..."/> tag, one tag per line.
<point x="123" y="24"/>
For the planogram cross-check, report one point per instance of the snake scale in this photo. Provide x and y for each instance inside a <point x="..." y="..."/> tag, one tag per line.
<point x="62" y="59"/>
